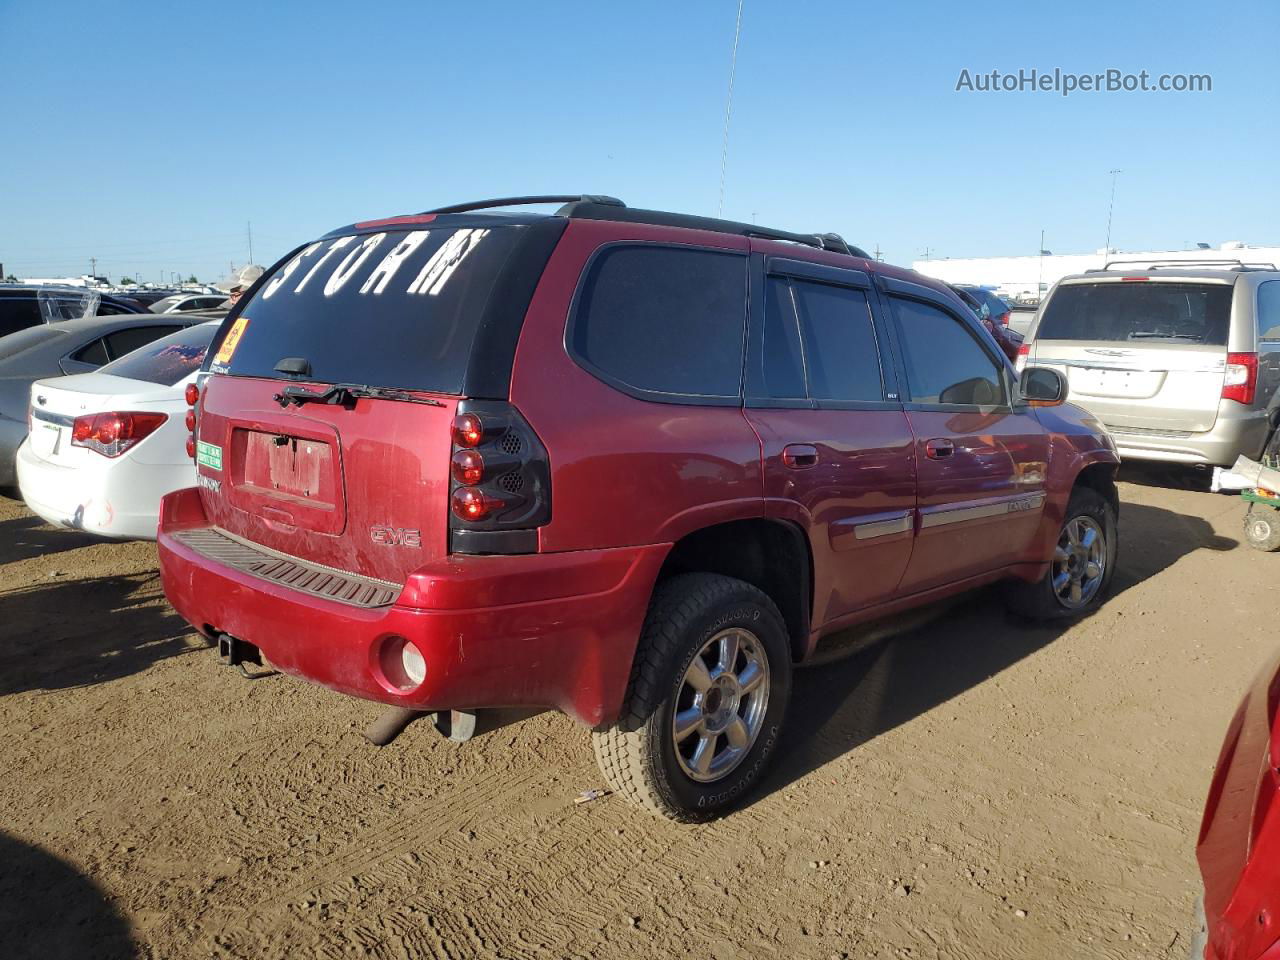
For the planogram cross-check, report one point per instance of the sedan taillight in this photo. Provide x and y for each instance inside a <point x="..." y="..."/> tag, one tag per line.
<point x="111" y="434"/>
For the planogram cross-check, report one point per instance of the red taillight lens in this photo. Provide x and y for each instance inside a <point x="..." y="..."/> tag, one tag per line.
<point x="1024" y="351"/>
<point x="111" y="434"/>
<point x="1004" y="319"/>
<point x="190" y="420"/>
<point x="468" y="466"/>
<point x="191" y="447"/>
<point x="1241" y="380"/>
<point x="472" y="504"/>
<point x="468" y="431"/>
<point x="192" y="394"/>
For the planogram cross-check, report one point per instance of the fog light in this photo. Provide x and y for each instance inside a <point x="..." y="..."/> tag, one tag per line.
<point x="415" y="668"/>
<point x="402" y="664"/>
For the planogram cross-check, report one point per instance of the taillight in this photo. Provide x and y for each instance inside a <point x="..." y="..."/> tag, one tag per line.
<point x="111" y="434"/>
<point x="192" y="394"/>
<point x="1024" y="352"/>
<point x="500" y="480"/>
<point x="191" y="447"/>
<point x="468" y="466"/>
<point x="1241" y="380"/>
<point x="468" y="431"/>
<point x="470" y="503"/>
<point x="1004" y="319"/>
<point x="190" y="420"/>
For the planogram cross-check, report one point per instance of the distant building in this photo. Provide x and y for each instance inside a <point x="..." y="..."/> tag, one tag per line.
<point x="1030" y="277"/>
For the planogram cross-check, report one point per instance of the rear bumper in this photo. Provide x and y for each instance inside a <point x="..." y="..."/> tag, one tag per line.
<point x="1231" y="437"/>
<point x="12" y="433"/>
<point x="545" y="630"/>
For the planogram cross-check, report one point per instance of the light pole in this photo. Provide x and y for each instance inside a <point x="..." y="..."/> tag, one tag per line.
<point x="1111" y="207"/>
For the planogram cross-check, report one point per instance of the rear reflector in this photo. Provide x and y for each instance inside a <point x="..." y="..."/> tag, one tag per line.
<point x="1241" y="380"/>
<point x="111" y="434"/>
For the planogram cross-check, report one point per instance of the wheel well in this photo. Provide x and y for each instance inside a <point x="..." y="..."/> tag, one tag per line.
<point x="772" y="555"/>
<point x="1102" y="478"/>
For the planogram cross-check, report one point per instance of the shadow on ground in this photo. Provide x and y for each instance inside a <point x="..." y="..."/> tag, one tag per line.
<point x="24" y="537"/>
<point x="871" y="679"/>
<point x="70" y="633"/>
<point x="50" y="911"/>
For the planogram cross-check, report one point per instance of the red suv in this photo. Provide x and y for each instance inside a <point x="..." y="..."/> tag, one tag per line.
<point x="628" y="464"/>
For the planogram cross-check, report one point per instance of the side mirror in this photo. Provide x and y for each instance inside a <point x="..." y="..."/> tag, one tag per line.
<point x="1042" y="387"/>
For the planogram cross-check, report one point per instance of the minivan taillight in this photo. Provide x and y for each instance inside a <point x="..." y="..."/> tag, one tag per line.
<point x="500" y="480"/>
<point x="1241" y="381"/>
<point x="1024" y="351"/>
<point x="111" y="434"/>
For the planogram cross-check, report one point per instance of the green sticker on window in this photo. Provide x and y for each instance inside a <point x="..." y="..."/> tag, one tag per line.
<point x="209" y="455"/>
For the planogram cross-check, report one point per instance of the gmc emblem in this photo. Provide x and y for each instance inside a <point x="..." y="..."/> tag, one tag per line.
<point x="395" y="536"/>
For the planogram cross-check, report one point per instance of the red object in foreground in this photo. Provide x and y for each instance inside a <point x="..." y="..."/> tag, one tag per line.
<point x="1239" y="845"/>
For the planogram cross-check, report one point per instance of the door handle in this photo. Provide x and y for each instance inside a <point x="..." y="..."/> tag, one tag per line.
<point x="797" y="456"/>
<point x="939" y="449"/>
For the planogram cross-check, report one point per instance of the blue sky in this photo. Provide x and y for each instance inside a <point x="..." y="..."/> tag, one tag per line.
<point x="148" y="134"/>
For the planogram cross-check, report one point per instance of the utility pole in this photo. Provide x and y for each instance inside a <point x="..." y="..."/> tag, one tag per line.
<point x="249" y="227"/>
<point x="926" y="254"/>
<point x="93" y="266"/>
<point x="878" y="254"/>
<point x="1110" y="207"/>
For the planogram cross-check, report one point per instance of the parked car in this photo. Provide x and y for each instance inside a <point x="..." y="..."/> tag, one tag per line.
<point x="105" y="447"/>
<point x="997" y="311"/>
<point x="26" y="306"/>
<point x="1021" y="316"/>
<point x="1181" y="363"/>
<point x="1239" y="845"/>
<point x="71" y="346"/>
<point x="1007" y="340"/>
<point x="567" y="461"/>
<point x="181" y="303"/>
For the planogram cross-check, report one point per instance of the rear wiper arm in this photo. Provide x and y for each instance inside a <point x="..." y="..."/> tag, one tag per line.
<point x="345" y="395"/>
<point x="1152" y="335"/>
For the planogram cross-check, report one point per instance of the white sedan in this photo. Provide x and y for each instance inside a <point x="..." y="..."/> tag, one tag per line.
<point x="104" y="447"/>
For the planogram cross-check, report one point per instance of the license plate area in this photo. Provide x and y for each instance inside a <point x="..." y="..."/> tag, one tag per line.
<point x="290" y="477"/>
<point x="1102" y="382"/>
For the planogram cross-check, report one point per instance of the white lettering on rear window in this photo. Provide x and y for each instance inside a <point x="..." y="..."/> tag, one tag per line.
<point x="384" y="271"/>
<point x="278" y="281"/>
<point x="437" y="270"/>
<point x="352" y="262"/>
<point x="337" y="245"/>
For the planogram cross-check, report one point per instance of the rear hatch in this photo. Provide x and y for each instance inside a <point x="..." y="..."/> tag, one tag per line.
<point x="359" y="481"/>
<point x="1143" y="353"/>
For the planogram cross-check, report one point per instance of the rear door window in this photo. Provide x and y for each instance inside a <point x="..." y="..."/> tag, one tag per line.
<point x="126" y="341"/>
<point x="1136" y="312"/>
<point x="819" y="342"/>
<point x="18" y="313"/>
<point x="394" y="309"/>
<point x="168" y="359"/>
<point x="944" y="361"/>
<point x="667" y="322"/>
<point x="1269" y="311"/>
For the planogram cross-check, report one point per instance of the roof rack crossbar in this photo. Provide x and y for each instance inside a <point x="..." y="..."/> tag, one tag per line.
<point x="525" y="201"/>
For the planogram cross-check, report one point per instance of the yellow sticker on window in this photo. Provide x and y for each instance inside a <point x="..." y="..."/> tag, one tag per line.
<point x="232" y="340"/>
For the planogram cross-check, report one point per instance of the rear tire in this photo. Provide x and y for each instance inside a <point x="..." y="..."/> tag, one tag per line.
<point x="1083" y="564"/>
<point x="1262" y="527"/>
<point x="706" y="699"/>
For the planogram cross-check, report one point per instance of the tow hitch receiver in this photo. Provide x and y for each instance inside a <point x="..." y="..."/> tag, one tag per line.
<point x="236" y="653"/>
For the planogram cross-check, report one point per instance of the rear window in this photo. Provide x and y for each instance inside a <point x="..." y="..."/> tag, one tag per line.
<point x="394" y="309"/>
<point x="666" y="321"/>
<point x="1139" y="312"/>
<point x="168" y="359"/>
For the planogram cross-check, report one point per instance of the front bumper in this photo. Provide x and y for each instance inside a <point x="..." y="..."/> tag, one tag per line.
<point x="545" y="630"/>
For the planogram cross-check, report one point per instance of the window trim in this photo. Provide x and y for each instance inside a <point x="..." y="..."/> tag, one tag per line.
<point x="1257" y="315"/>
<point x="643" y="393"/>
<point x="764" y="266"/>
<point x="894" y="289"/>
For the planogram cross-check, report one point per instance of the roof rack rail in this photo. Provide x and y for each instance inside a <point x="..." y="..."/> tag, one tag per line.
<point x="1223" y="263"/>
<point x="566" y="199"/>
<point x="833" y="241"/>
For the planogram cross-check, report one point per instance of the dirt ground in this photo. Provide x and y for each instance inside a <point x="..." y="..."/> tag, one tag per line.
<point x="966" y="787"/>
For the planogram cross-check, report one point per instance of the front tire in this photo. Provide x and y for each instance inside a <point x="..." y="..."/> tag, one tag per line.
<point x="706" y="700"/>
<point x="1083" y="563"/>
